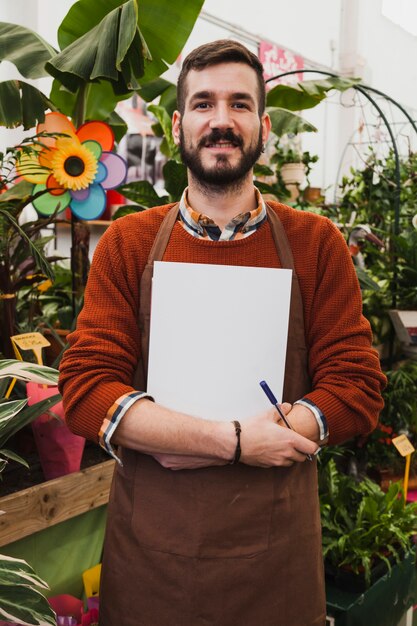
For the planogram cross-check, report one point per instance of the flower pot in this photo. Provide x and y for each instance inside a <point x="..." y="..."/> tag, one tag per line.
<point x="348" y="580"/>
<point x="293" y="173"/>
<point x="60" y="451"/>
<point x="312" y="194"/>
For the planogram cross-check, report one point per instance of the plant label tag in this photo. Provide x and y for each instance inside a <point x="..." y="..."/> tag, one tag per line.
<point x="403" y="445"/>
<point x="29" y="341"/>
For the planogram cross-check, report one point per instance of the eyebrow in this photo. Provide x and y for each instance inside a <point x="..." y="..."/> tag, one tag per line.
<point x="209" y="95"/>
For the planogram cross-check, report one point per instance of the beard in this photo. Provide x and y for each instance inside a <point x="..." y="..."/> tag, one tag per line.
<point x="222" y="174"/>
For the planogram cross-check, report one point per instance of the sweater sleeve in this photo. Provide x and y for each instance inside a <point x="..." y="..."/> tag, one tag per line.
<point x="344" y="368"/>
<point x="98" y="366"/>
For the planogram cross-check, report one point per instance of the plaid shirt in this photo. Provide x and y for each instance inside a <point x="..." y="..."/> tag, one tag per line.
<point x="203" y="227"/>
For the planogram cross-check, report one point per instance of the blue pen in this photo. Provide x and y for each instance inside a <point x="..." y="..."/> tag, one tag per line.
<point x="274" y="401"/>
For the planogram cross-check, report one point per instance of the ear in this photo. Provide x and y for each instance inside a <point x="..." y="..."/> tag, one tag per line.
<point x="176" y="125"/>
<point x="266" y="126"/>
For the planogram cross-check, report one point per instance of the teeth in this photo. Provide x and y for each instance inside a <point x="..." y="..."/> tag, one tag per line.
<point x="221" y="145"/>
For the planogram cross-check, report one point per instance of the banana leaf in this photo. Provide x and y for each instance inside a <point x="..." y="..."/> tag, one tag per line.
<point x="21" y="103"/>
<point x="25" y="49"/>
<point x="284" y="121"/>
<point x="112" y="50"/>
<point x="307" y="94"/>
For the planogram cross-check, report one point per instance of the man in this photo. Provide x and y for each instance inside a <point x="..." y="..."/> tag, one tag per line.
<point x="222" y="540"/>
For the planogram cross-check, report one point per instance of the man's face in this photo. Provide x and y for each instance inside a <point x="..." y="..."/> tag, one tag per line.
<point x="220" y="133"/>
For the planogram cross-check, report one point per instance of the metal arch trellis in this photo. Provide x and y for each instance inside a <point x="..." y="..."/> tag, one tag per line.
<point x="364" y="89"/>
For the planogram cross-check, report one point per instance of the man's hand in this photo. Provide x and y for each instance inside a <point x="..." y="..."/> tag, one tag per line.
<point x="264" y="443"/>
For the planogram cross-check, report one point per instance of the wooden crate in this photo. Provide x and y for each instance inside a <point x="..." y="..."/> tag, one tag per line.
<point x="31" y="510"/>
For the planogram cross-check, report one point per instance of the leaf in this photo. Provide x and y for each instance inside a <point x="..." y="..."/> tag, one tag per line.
<point x="175" y="175"/>
<point x="112" y="50"/>
<point x="22" y="370"/>
<point x="154" y="88"/>
<point x="13" y="456"/>
<point x="39" y="259"/>
<point x="22" y="104"/>
<point x="117" y="124"/>
<point x="16" y="422"/>
<point x="164" y="119"/>
<point x="155" y="20"/>
<point x="128" y="209"/>
<point x="307" y="94"/>
<point x="262" y="170"/>
<point x="141" y="192"/>
<point x="25" y="49"/>
<point x="292" y="98"/>
<point x="365" y="280"/>
<point x="166" y="26"/>
<point x="284" y="122"/>
<point x="21" y="599"/>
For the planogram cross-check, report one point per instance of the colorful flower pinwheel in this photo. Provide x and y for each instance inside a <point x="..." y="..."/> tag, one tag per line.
<point x="73" y="168"/>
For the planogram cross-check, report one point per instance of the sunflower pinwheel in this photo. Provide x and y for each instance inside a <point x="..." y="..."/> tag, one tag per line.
<point x="72" y="168"/>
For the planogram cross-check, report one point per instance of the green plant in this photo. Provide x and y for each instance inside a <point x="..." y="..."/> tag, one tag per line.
<point x="107" y="51"/>
<point x="368" y="193"/>
<point x="47" y="302"/>
<point x="21" y="598"/>
<point x="15" y="414"/>
<point x="361" y="524"/>
<point x="23" y="261"/>
<point x="282" y="155"/>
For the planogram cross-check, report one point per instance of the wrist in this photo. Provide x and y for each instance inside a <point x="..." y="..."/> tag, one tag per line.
<point x="303" y="421"/>
<point x="227" y="441"/>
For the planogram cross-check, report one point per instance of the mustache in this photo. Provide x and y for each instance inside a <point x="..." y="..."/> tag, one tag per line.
<point x="217" y="135"/>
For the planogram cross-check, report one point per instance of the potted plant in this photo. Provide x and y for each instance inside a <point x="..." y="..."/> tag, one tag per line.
<point x="23" y="259"/>
<point x="21" y="599"/>
<point x="365" y="530"/>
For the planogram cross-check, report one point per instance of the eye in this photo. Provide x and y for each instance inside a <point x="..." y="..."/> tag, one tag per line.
<point x="240" y="105"/>
<point x="202" y="105"/>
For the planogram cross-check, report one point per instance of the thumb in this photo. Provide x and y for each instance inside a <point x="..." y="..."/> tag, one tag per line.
<point x="285" y="407"/>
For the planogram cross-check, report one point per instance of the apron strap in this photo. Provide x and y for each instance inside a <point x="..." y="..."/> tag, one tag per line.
<point x="157" y="252"/>
<point x="296" y="360"/>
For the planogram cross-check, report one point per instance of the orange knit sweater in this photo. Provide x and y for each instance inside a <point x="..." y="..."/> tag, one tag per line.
<point x="344" y="369"/>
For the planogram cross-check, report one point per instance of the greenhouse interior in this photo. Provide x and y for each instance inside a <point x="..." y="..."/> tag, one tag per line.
<point x="208" y="294"/>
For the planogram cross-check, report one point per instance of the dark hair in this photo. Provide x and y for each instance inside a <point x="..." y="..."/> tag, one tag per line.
<point x="214" y="53"/>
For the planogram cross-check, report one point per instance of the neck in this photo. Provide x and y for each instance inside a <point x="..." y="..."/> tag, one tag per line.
<point x="222" y="204"/>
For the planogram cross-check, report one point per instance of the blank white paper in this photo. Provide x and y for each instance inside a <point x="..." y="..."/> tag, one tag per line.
<point x="216" y="332"/>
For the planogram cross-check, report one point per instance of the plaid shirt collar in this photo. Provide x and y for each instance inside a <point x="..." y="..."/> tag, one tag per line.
<point x="203" y="227"/>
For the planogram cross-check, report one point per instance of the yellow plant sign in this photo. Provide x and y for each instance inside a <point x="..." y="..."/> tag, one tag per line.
<point x="403" y="445"/>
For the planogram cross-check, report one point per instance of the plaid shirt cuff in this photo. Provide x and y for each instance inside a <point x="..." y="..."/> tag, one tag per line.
<point x="321" y="420"/>
<point x="113" y="418"/>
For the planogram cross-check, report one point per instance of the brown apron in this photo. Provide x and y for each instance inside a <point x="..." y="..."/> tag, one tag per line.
<point x="221" y="546"/>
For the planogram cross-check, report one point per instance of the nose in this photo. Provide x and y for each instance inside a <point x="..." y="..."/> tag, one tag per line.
<point x="221" y="117"/>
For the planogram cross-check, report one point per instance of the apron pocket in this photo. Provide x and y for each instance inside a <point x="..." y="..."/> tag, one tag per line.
<point x="219" y="512"/>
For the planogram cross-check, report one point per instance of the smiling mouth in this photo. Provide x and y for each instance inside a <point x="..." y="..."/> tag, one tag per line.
<point x="221" y="145"/>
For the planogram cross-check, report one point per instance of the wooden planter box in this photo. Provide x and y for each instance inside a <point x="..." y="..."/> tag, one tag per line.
<point x="36" y="508"/>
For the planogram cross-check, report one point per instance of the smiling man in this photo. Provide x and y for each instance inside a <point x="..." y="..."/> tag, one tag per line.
<point x="214" y="523"/>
